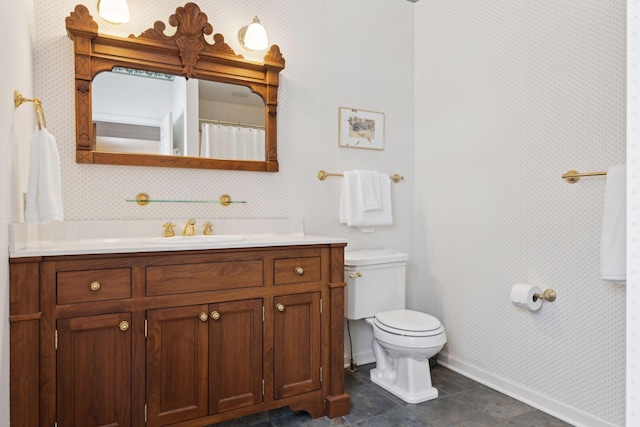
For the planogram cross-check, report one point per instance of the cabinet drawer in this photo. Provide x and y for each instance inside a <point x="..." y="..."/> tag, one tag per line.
<point x="296" y="270"/>
<point x="93" y="285"/>
<point x="208" y="276"/>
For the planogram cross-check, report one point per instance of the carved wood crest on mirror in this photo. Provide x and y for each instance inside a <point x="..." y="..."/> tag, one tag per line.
<point x="173" y="100"/>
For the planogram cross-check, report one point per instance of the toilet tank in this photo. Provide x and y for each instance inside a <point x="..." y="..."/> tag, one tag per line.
<point x="375" y="282"/>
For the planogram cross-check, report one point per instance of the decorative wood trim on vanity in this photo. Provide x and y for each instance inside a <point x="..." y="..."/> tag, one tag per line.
<point x="25" y="317"/>
<point x="338" y="402"/>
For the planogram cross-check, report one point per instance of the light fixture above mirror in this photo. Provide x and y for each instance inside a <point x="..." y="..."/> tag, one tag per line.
<point x="114" y="11"/>
<point x="253" y="37"/>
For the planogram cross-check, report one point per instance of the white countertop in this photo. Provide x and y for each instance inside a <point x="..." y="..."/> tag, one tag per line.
<point x="98" y="237"/>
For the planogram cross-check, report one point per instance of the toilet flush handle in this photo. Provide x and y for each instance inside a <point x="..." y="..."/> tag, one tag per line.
<point x="356" y="274"/>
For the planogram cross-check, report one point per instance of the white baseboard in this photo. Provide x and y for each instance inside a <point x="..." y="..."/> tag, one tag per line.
<point x="533" y="398"/>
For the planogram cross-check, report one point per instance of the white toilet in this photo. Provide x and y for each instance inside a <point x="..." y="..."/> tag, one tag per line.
<point x="403" y="340"/>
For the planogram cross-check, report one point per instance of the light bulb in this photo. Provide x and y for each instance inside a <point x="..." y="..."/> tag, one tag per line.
<point x="254" y="36"/>
<point x="114" y="11"/>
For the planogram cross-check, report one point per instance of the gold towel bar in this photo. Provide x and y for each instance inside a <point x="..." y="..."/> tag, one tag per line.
<point x="572" y="176"/>
<point x="18" y="100"/>
<point x="322" y="175"/>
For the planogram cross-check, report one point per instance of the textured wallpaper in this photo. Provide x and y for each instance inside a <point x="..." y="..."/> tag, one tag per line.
<point x="333" y="58"/>
<point x="509" y="96"/>
<point x="633" y="207"/>
<point x="16" y="128"/>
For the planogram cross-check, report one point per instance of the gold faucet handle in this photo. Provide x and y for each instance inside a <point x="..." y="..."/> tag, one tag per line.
<point x="188" y="228"/>
<point x="168" y="229"/>
<point x="208" y="228"/>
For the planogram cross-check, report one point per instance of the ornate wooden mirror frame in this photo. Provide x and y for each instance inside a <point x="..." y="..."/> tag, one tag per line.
<point x="185" y="53"/>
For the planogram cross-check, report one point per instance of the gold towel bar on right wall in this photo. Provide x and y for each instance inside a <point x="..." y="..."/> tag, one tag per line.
<point x="572" y="176"/>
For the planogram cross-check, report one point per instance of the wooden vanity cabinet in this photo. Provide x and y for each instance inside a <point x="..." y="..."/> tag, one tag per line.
<point x="296" y="344"/>
<point x="94" y="366"/>
<point x="235" y="355"/>
<point x="203" y="359"/>
<point x="176" y="365"/>
<point x="185" y="338"/>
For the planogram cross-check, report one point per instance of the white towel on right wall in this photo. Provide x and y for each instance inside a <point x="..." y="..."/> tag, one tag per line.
<point x="613" y="239"/>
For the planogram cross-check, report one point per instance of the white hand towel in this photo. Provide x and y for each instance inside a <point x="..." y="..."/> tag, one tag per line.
<point x="348" y="195"/>
<point x="44" y="190"/>
<point x="370" y="189"/>
<point x="613" y="240"/>
<point x="351" y="203"/>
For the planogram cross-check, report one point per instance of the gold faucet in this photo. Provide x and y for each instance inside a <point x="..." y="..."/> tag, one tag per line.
<point x="208" y="228"/>
<point x="189" y="228"/>
<point x="168" y="229"/>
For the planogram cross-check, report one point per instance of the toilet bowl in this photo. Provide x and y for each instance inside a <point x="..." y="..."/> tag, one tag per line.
<point x="403" y="340"/>
<point x="402" y="350"/>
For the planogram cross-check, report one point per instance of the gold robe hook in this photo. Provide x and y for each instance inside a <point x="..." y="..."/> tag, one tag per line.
<point x="42" y="123"/>
<point x="18" y="100"/>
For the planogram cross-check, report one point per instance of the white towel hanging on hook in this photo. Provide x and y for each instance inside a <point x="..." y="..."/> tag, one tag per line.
<point x="44" y="190"/>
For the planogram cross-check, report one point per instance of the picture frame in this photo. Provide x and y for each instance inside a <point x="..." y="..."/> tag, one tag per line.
<point x="360" y="129"/>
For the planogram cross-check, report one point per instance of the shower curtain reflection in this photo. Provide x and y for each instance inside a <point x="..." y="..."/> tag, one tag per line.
<point x="232" y="142"/>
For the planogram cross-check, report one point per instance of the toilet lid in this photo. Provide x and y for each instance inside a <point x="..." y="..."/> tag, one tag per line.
<point x="408" y="322"/>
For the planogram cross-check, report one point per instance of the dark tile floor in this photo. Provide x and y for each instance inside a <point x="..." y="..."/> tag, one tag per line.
<point x="461" y="403"/>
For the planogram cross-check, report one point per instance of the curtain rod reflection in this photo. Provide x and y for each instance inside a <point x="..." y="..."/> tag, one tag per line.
<point x="227" y="123"/>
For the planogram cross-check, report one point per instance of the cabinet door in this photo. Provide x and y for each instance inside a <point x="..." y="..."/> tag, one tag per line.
<point x="94" y="371"/>
<point x="296" y="344"/>
<point x="177" y="364"/>
<point x="235" y="355"/>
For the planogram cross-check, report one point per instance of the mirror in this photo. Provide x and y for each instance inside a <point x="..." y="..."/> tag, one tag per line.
<point x="155" y="113"/>
<point x="173" y="101"/>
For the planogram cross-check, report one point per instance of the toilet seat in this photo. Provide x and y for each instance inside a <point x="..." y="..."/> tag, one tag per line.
<point x="408" y="323"/>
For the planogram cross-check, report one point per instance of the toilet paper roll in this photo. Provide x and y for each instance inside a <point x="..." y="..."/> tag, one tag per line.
<point x="523" y="296"/>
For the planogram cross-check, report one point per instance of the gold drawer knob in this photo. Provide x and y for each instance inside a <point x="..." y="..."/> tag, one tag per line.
<point x="124" y="325"/>
<point x="95" y="285"/>
<point x="215" y="315"/>
<point x="299" y="271"/>
<point x="280" y="307"/>
<point x="203" y="317"/>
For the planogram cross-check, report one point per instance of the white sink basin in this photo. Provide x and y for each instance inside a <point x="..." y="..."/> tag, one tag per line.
<point x="196" y="240"/>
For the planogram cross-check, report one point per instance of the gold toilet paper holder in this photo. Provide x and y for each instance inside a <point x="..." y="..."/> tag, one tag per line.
<point x="547" y="295"/>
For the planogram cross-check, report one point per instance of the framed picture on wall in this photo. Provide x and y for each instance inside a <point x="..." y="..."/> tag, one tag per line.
<point x="360" y="129"/>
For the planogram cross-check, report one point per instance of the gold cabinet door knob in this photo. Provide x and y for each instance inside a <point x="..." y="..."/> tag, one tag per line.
<point x="299" y="271"/>
<point x="215" y="315"/>
<point x="280" y="307"/>
<point x="203" y="317"/>
<point x="124" y="325"/>
<point x="95" y="285"/>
